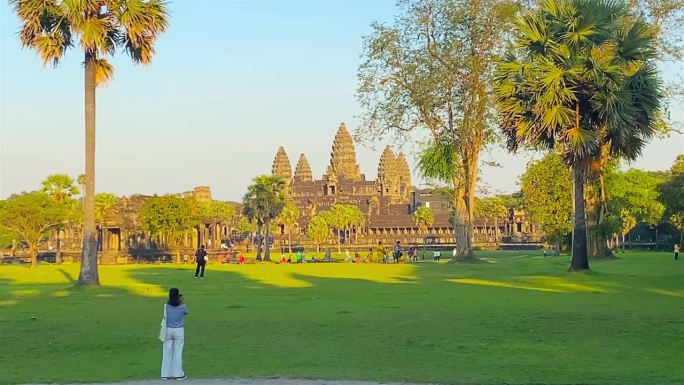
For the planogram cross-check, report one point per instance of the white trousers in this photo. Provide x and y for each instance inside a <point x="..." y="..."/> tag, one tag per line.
<point x="172" y="353"/>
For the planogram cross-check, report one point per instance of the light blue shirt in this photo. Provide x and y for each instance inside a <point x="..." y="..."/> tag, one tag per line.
<point x="175" y="315"/>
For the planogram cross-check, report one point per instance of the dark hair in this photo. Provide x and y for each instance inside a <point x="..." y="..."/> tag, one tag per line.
<point x="202" y="247"/>
<point x="174" y="297"/>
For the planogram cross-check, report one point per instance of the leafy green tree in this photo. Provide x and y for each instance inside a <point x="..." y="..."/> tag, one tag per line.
<point x="263" y="202"/>
<point x="627" y="223"/>
<point x="337" y="218"/>
<point x="244" y="225"/>
<point x="491" y="208"/>
<point x="355" y="220"/>
<point x="672" y="195"/>
<point x="677" y="221"/>
<point x="104" y="204"/>
<point x="430" y="72"/>
<point x="424" y="219"/>
<point x="62" y="189"/>
<point x="254" y="215"/>
<point x="547" y="196"/>
<point x="636" y="193"/>
<point x="31" y="216"/>
<point x="98" y="27"/>
<point x="290" y="218"/>
<point x="223" y="212"/>
<point x="168" y="219"/>
<point x="582" y="80"/>
<point x="318" y="230"/>
<point x="342" y="217"/>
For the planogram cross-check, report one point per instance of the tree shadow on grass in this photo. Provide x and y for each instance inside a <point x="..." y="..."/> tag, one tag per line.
<point x="337" y="325"/>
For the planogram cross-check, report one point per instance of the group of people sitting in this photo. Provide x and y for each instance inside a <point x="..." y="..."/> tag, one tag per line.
<point x="379" y="253"/>
<point x="231" y="258"/>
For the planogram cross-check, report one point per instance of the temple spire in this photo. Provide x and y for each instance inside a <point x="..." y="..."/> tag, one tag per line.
<point x="388" y="173"/>
<point x="343" y="156"/>
<point x="303" y="171"/>
<point x="281" y="164"/>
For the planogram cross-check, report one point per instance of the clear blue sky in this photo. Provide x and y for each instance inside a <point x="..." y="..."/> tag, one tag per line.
<point x="231" y="81"/>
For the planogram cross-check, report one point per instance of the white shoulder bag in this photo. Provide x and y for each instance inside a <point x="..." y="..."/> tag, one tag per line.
<point x="162" y="330"/>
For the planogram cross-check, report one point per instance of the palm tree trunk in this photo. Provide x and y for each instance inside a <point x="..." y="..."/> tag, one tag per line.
<point x="88" y="275"/>
<point x="289" y="240"/>
<point x="259" y="240"/>
<point x="496" y="230"/>
<point x="339" y="241"/>
<point x="267" y="250"/>
<point x="579" y="233"/>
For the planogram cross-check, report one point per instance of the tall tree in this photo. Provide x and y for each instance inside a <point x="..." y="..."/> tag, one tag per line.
<point x="104" y="204"/>
<point x="635" y="193"/>
<point x="50" y="27"/>
<point x="289" y="217"/>
<point x="264" y="201"/>
<point x="252" y="211"/>
<point x="581" y="80"/>
<point x="318" y="230"/>
<point x="672" y="195"/>
<point x="31" y="216"/>
<point x="356" y="220"/>
<point x="223" y="212"/>
<point x="429" y="73"/>
<point x="60" y="187"/>
<point x="491" y="208"/>
<point x="424" y="219"/>
<point x="337" y="218"/>
<point x="168" y="219"/>
<point x="547" y="197"/>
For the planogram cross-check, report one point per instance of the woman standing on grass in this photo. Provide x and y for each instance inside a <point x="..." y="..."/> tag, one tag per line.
<point x="172" y="353"/>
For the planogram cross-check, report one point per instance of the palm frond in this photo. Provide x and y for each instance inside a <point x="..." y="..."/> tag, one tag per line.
<point x="104" y="72"/>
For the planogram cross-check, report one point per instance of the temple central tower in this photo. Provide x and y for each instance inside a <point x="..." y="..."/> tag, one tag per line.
<point x="343" y="157"/>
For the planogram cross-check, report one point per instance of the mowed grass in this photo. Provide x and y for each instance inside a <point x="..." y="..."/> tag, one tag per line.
<point x="516" y="318"/>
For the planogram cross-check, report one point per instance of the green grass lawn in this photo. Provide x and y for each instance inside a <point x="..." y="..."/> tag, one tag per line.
<point x="517" y="319"/>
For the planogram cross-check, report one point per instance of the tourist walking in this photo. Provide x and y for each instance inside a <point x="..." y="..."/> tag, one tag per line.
<point x="174" y="337"/>
<point x="201" y="260"/>
<point x="396" y="252"/>
<point x="676" y="251"/>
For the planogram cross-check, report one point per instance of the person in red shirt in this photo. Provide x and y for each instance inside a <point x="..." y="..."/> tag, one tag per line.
<point x="241" y="259"/>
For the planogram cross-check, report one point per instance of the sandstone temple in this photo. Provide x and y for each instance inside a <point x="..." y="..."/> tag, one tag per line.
<point x="387" y="203"/>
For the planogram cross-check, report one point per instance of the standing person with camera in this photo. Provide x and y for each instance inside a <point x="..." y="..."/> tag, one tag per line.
<point x="201" y="260"/>
<point x="174" y="337"/>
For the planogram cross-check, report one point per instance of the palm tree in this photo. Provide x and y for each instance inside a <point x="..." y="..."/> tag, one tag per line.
<point x="583" y="78"/>
<point x="318" y="230"/>
<point x="60" y="187"/>
<point x="264" y="201"/>
<point x="356" y="220"/>
<point x="99" y="27"/>
<point x="289" y="217"/>
<point x="252" y="211"/>
<point x="424" y="219"/>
